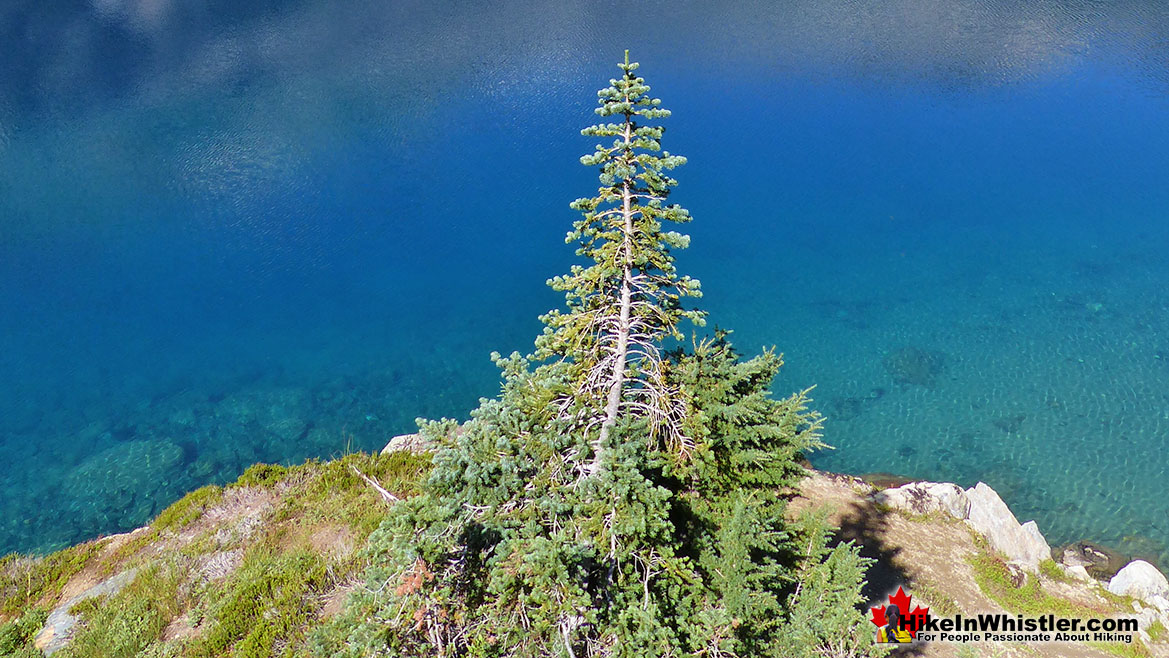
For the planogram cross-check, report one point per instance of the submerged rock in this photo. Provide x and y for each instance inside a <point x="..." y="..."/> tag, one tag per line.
<point x="279" y="411"/>
<point x="912" y="365"/>
<point x="883" y="480"/>
<point x="124" y="479"/>
<point x="1100" y="562"/>
<point x="1010" y="424"/>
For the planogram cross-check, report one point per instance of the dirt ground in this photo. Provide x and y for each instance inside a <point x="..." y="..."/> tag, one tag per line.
<point x="930" y="554"/>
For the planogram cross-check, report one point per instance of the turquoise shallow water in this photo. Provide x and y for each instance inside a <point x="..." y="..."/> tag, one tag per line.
<point x="233" y="232"/>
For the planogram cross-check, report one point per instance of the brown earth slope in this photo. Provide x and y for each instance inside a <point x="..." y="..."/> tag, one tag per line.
<point x="940" y="561"/>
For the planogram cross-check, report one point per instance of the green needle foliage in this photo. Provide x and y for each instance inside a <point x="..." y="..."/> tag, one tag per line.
<point x="618" y="498"/>
<point x="622" y="306"/>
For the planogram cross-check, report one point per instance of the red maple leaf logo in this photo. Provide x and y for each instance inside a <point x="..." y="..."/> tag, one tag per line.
<point x="912" y="620"/>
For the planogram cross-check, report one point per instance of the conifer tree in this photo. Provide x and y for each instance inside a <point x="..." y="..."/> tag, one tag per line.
<point x="622" y="306"/>
<point x="619" y="498"/>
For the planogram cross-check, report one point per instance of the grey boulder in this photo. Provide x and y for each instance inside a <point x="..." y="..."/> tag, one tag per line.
<point x="990" y="516"/>
<point x="1140" y="580"/>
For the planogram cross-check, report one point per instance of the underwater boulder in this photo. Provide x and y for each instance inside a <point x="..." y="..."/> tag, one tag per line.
<point x="122" y="481"/>
<point x="1099" y="561"/>
<point x="914" y="366"/>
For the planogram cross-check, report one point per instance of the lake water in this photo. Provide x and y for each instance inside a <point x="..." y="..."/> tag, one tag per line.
<point x="244" y="231"/>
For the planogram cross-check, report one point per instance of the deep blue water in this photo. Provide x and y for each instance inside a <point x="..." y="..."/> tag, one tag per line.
<point x="243" y="231"/>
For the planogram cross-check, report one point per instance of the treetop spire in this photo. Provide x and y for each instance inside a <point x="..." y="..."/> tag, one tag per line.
<point x="623" y="306"/>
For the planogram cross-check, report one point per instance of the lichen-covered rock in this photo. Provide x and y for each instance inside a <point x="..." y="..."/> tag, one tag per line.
<point x="1017" y="573"/>
<point x="991" y="517"/>
<point x="411" y="442"/>
<point x="58" y="629"/>
<point x="926" y="498"/>
<point x="417" y="442"/>
<point x="1140" y="580"/>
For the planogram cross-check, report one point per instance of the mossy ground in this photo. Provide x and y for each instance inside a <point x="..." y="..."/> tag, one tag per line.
<point x="29" y="582"/>
<point x="16" y="636"/>
<point x="218" y="573"/>
<point x="1158" y="632"/>
<point x="273" y="582"/>
<point x="1031" y="599"/>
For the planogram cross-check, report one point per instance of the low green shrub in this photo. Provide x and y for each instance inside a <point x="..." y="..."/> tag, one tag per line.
<point x="1157" y="631"/>
<point x="331" y="492"/>
<point x="16" y="637"/>
<point x="263" y="607"/>
<point x="28" y="582"/>
<point x="993" y="577"/>
<point x="261" y="475"/>
<point x="124" y="624"/>
<point x="188" y="509"/>
<point x="1050" y="570"/>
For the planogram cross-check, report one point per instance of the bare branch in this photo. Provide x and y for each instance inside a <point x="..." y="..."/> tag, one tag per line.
<point x="389" y="497"/>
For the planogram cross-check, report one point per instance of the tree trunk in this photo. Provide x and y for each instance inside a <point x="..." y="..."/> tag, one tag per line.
<point x="617" y="376"/>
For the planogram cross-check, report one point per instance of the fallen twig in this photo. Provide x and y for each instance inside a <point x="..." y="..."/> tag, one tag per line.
<point x="389" y="497"/>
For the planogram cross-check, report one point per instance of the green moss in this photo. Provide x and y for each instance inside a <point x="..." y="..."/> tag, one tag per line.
<point x="188" y="509"/>
<point x="264" y="605"/>
<point x="1118" y="601"/>
<point x="1030" y="598"/>
<point x="125" y="624"/>
<point x="1050" y="570"/>
<point x="16" y="637"/>
<point x="25" y="583"/>
<point x="1157" y="631"/>
<point x="261" y="475"/>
